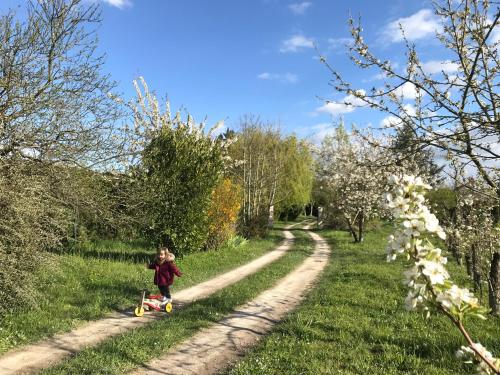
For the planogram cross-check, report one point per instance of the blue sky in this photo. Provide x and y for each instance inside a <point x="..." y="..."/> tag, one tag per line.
<point x="226" y="58"/>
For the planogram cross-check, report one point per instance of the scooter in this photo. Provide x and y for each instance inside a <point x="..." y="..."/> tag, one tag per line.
<point x="149" y="302"/>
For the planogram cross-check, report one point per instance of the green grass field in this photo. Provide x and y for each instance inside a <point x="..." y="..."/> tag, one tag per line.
<point x="95" y="280"/>
<point x="129" y="350"/>
<point x="354" y="322"/>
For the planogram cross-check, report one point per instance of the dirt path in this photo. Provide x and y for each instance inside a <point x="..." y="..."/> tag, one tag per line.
<point x="30" y="359"/>
<point x="215" y="348"/>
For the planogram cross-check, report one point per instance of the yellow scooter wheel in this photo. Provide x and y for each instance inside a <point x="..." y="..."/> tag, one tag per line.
<point x="168" y="307"/>
<point x="139" y="311"/>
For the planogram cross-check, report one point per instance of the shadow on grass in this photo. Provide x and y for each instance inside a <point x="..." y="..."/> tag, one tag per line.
<point x="134" y="256"/>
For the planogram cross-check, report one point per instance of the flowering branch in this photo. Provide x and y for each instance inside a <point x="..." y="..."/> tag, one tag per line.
<point x="430" y="286"/>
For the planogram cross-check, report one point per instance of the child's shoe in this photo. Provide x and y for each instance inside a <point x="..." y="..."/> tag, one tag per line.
<point x="166" y="300"/>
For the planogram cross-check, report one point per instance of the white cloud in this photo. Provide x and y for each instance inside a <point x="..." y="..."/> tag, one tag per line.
<point x="422" y="24"/>
<point x="339" y="44"/>
<point x="316" y="133"/>
<point x="376" y="77"/>
<point x="118" y="3"/>
<point x="395" y="122"/>
<point x="390" y="122"/>
<point x="286" y="77"/>
<point x="434" y="66"/>
<point x="346" y="105"/>
<point x="296" y="43"/>
<point x="407" y="91"/>
<point x="300" y="8"/>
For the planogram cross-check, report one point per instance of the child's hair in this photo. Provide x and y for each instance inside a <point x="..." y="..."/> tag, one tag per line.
<point x="162" y="248"/>
<point x="168" y="255"/>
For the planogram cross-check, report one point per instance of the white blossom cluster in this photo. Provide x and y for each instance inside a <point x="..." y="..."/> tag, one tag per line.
<point x="430" y="287"/>
<point x="469" y="356"/>
<point x="149" y="119"/>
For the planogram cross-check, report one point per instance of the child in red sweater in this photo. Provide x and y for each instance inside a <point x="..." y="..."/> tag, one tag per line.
<point x="165" y="269"/>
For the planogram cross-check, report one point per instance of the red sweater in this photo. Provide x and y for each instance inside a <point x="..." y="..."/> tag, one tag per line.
<point x="164" y="273"/>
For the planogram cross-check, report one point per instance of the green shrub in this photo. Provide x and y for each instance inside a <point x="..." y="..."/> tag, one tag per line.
<point x="180" y="169"/>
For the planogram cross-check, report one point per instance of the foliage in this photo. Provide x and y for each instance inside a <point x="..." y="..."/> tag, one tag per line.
<point x="442" y="200"/>
<point x="274" y="172"/>
<point x="32" y="220"/>
<point x="431" y="288"/>
<point x="474" y="238"/>
<point x="223" y="213"/>
<point x="295" y="185"/>
<point x="179" y="170"/>
<point x="291" y="212"/>
<point x="56" y="120"/>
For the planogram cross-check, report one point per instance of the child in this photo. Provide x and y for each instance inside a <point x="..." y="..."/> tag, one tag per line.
<point x="165" y="269"/>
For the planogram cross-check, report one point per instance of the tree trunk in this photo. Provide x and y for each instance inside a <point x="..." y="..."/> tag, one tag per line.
<point x="361" y="222"/>
<point x="496" y="209"/>
<point x="476" y="276"/>
<point x="453" y="247"/>
<point x="468" y="264"/>
<point x="270" y="219"/>
<point x="351" y="229"/>
<point x="494" y="284"/>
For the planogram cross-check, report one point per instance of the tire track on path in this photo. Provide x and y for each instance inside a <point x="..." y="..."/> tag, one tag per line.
<point x="32" y="358"/>
<point x="216" y="347"/>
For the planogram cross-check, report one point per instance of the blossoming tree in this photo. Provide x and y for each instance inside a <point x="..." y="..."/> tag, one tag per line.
<point x="348" y="169"/>
<point x="429" y="283"/>
<point x="455" y="108"/>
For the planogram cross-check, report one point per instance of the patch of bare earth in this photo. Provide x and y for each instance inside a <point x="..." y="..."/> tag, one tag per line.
<point x="30" y="359"/>
<point x="221" y="345"/>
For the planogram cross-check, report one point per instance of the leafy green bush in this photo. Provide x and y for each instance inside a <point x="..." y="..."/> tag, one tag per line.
<point x="180" y="168"/>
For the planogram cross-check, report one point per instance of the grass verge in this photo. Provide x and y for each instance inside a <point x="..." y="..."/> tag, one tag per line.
<point x="132" y="349"/>
<point x="108" y="276"/>
<point x="354" y="322"/>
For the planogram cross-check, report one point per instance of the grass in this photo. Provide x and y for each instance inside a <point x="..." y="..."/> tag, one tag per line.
<point x="127" y="351"/>
<point x="87" y="284"/>
<point x="354" y="322"/>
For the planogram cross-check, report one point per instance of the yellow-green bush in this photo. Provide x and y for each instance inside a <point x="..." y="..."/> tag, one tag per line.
<point x="223" y="213"/>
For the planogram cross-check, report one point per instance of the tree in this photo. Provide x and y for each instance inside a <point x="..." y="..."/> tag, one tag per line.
<point x="55" y="114"/>
<point x="274" y="172"/>
<point x="296" y="184"/>
<point x="259" y="152"/>
<point x="178" y="168"/>
<point x="54" y="103"/>
<point x="457" y="113"/>
<point x="407" y="150"/>
<point x="353" y="183"/>
<point x="223" y="213"/>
